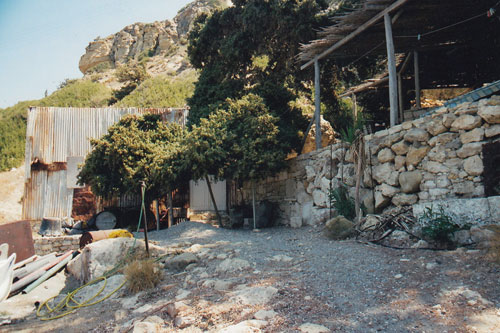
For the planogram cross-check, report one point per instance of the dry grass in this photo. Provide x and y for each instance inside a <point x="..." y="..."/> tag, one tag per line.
<point x="142" y="275"/>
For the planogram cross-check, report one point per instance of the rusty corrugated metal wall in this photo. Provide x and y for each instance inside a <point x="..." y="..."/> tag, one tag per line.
<point x="54" y="134"/>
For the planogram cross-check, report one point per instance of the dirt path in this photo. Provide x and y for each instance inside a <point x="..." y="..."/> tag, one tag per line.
<point x="288" y="280"/>
<point x="11" y="193"/>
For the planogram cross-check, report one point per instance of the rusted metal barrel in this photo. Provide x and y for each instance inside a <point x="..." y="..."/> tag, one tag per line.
<point x="93" y="236"/>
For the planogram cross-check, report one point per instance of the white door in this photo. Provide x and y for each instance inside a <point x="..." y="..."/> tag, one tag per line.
<point x="199" y="197"/>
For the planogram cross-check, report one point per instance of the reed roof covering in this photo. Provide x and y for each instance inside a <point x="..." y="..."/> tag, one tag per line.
<point x="418" y="24"/>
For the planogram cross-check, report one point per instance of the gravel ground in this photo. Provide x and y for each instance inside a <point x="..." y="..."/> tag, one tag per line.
<point x="353" y="287"/>
<point x="303" y="278"/>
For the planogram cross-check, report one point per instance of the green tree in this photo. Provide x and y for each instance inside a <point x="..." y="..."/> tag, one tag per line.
<point x="131" y="75"/>
<point x="251" y="48"/>
<point x="239" y="141"/>
<point x="134" y="150"/>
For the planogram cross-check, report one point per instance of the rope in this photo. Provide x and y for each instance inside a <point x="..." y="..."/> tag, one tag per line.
<point x="69" y="304"/>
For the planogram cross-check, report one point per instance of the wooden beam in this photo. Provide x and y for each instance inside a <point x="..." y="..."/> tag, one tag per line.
<point x="391" y="64"/>
<point x="317" y="102"/>
<point x="355" y="104"/>
<point x="417" y="79"/>
<point x="400" y="97"/>
<point x="355" y="33"/>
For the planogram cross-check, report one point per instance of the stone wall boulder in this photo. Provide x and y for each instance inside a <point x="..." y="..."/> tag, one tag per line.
<point x="489" y="110"/>
<point x="410" y="181"/>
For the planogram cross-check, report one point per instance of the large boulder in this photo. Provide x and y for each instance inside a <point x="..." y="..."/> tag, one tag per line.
<point x="489" y="110"/>
<point x="466" y="122"/>
<point x="415" y="155"/>
<point x="410" y="181"/>
<point x="339" y="228"/>
<point x="417" y="135"/>
<point x="474" y="165"/>
<point x="101" y="256"/>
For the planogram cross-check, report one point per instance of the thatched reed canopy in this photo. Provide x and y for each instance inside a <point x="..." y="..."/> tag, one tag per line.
<point x="417" y="24"/>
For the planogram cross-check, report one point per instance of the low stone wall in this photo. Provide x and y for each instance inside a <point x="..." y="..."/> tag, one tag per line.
<point x="46" y="245"/>
<point x="432" y="158"/>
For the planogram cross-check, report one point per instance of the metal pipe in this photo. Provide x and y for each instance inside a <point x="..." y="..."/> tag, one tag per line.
<point x="49" y="273"/>
<point x="25" y="261"/>
<point x="35" y="274"/>
<point x="21" y="272"/>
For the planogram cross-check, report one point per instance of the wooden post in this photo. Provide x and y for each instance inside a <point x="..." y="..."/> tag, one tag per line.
<point x="317" y="103"/>
<point x="400" y="97"/>
<point x="391" y="57"/>
<point x="253" y="205"/>
<point x="355" y="104"/>
<point x="417" y="79"/>
<point x="143" y="209"/>
<point x="219" y="218"/>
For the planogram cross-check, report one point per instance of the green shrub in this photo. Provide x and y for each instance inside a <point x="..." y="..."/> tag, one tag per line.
<point x="438" y="226"/>
<point x="342" y="202"/>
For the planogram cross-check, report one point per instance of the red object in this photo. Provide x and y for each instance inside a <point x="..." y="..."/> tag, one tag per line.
<point x="18" y="236"/>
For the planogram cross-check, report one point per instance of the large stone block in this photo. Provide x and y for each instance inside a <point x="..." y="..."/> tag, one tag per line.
<point x="319" y="198"/>
<point x="403" y="199"/>
<point x="489" y="110"/>
<point x="466" y="122"/>
<point x="381" y="201"/>
<point x="448" y="119"/>
<point x="492" y="131"/>
<point x="415" y="155"/>
<point x="436" y="127"/>
<point x="477" y="134"/>
<point x="410" y="181"/>
<point x="387" y="190"/>
<point x="417" y="135"/>
<point x="385" y="155"/>
<point x="442" y="139"/>
<point x="437" y="153"/>
<point x="470" y="149"/>
<point x="435" y="167"/>
<point x="306" y="212"/>
<point x="400" y="148"/>
<point x="319" y="215"/>
<point x="474" y="165"/>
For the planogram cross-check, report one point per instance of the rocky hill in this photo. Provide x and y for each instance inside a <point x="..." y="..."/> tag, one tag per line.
<point x="162" y="45"/>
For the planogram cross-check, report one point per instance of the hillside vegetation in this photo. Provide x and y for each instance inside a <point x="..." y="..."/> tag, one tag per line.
<point x="13" y="119"/>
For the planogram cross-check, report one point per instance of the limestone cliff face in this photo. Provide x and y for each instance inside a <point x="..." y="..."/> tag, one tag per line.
<point x="164" y="42"/>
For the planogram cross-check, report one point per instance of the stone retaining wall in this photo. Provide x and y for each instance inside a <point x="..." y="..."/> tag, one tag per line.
<point x="61" y="244"/>
<point x="432" y="158"/>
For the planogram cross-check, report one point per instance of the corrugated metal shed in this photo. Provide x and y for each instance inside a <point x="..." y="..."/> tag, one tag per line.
<point x="54" y="134"/>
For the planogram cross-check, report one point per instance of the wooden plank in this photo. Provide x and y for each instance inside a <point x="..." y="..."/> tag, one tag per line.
<point x="400" y="96"/>
<point x="317" y="103"/>
<point x="391" y="64"/>
<point x="355" y="33"/>
<point x="417" y="79"/>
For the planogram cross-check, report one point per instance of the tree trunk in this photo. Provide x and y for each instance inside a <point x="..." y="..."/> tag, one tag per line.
<point x="170" y="217"/>
<point x="219" y="219"/>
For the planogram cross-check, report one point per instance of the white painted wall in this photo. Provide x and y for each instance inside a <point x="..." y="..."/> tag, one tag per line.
<point x="199" y="196"/>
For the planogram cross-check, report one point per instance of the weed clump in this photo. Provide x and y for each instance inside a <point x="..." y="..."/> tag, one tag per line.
<point x="342" y="202"/>
<point x="142" y="275"/>
<point x="438" y="226"/>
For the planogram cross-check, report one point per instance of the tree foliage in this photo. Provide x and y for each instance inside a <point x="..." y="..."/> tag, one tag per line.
<point x="135" y="149"/>
<point x="251" y="48"/>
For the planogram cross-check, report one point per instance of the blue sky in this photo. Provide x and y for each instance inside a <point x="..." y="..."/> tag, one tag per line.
<point x="41" y="41"/>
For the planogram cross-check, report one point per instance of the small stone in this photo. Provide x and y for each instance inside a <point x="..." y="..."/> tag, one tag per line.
<point x="442" y="139"/>
<point x="398" y="276"/>
<point x="435" y="167"/>
<point x="180" y="261"/>
<point x="471" y="302"/>
<point x="183" y="322"/>
<point x="448" y="119"/>
<point x="232" y="265"/>
<point x="388" y="190"/>
<point x="313" y="328"/>
<point x="399" y="162"/>
<point x="421" y="244"/>
<point x="265" y="315"/>
<point x="381" y="201"/>
<point x="182" y="294"/>
<point x="431" y="265"/>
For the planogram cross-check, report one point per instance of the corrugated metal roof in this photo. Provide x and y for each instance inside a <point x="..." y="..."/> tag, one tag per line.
<point x="52" y="135"/>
